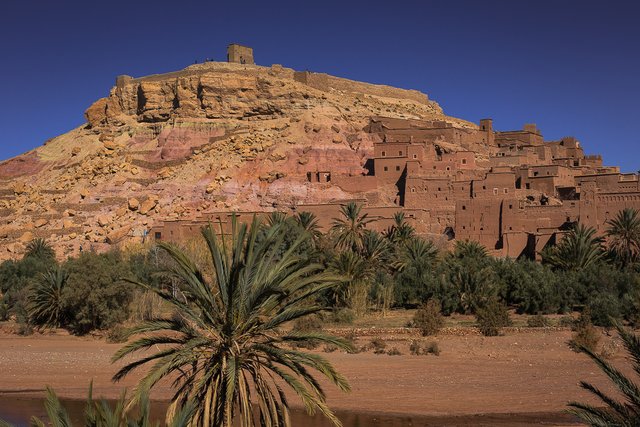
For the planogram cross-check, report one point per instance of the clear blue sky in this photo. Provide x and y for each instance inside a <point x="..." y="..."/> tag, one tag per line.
<point x="572" y="67"/>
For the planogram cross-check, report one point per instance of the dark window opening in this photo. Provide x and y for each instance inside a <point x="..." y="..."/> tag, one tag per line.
<point x="386" y="168"/>
<point x="158" y="235"/>
<point x="397" y="168"/>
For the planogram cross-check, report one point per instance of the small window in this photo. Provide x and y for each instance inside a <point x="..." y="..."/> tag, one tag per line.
<point x="464" y="161"/>
<point x="506" y="190"/>
<point x="510" y="206"/>
<point x="386" y="168"/>
<point x="158" y="235"/>
<point x="448" y="168"/>
<point x="397" y="168"/>
<point x="384" y="153"/>
<point x="495" y="191"/>
<point x="484" y="187"/>
<point x="413" y="190"/>
<point x="399" y="153"/>
<point x="527" y="186"/>
<point x="439" y="189"/>
<point x="415" y="156"/>
<point x="464" y="227"/>
<point x="464" y="208"/>
<point x="510" y="228"/>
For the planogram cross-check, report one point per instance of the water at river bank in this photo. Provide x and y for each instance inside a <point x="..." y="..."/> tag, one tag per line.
<point x="18" y="410"/>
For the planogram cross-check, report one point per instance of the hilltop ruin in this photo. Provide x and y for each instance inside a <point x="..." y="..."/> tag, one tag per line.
<point x="164" y="154"/>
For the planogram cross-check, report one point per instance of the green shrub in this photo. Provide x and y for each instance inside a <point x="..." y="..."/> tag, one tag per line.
<point x="566" y="322"/>
<point x="491" y="317"/>
<point x="117" y="334"/>
<point x="428" y="318"/>
<point x="343" y="316"/>
<point x="585" y="335"/>
<point x="538" y="321"/>
<point x="95" y="295"/>
<point x="605" y="310"/>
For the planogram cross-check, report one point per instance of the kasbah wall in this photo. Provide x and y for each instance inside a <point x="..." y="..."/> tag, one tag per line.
<point x="521" y="198"/>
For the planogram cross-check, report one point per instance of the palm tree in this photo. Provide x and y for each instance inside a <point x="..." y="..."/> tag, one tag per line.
<point x="47" y="305"/>
<point x="400" y="232"/>
<point x="469" y="249"/>
<point x="624" y="413"/>
<point x="101" y="414"/>
<point x="375" y="249"/>
<point x="416" y="252"/>
<point x="276" y="217"/>
<point x="225" y="345"/>
<point x="39" y="248"/>
<point x="348" y="231"/>
<point x="309" y="223"/>
<point x="356" y="272"/>
<point x="579" y="249"/>
<point x="623" y="237"/>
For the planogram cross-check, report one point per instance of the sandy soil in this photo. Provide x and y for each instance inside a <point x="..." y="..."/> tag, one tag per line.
<point x="528" y="371"/>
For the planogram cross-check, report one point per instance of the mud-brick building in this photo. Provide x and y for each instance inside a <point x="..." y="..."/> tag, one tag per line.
<point x="511" y="191"/>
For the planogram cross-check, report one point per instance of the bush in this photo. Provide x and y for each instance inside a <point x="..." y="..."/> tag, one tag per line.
<point x="566" y="322"/>
<point x="308" y="324"/>
<point x="95" y="294"/>
<point x="428" y="318"/>
<point x="538" y="321"/>
<point x="605" y="310"/>
<point x="378" y="345"/>
<point x="432" y="348"/>
<point x="585" y="335"/>
<point x="393" y="351"/>
<point x="343" y="316"/>
<point x="416" y="348"/>
<point x="329" y="348"/>
<point x="117" y="334"/>
<point x="491" y="317"/>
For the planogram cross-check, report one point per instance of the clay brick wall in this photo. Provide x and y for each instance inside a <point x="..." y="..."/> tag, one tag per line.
<point x="355" y="184"/>
<point x="426" y="192"/>
<point x="495" y="184"/>
<point x="389" y="170"/>
<point x="318" y="81"/>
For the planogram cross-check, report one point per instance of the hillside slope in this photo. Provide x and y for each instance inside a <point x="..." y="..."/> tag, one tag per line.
<point x="212" y="137"/>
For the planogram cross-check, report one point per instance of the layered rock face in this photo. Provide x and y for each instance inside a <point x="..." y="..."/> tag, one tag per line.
<point x="212" y="137"/>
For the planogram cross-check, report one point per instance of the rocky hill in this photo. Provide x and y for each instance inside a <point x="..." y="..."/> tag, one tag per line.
<point x="212" y="137"/>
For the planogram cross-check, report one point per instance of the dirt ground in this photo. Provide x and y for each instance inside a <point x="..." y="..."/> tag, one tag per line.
<point x="524" y="371"/>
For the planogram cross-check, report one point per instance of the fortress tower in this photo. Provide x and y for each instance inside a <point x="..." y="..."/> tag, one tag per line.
<point x="239" y="54"/>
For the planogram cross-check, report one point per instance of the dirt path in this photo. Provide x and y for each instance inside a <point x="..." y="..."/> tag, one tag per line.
<point x="532" y="372"/>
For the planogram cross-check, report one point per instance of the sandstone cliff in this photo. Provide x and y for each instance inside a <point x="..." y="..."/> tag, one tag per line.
<point x="211" y="137"/>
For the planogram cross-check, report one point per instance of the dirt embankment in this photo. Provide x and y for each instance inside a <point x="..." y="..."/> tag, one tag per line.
<point x="520" y="372"/>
